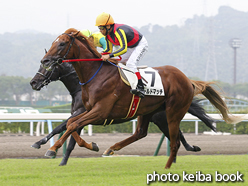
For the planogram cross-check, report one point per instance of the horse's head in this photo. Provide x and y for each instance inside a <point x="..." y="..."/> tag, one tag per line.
<point x="43" y="77"/>
<point x="63" y="47"/>
<point x="52" y="68"/>
<point x="69" y="45"/>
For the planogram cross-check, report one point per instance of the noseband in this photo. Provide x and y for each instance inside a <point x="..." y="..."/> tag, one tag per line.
<point x="48" y="76"/>
<point x="47" y="79"/>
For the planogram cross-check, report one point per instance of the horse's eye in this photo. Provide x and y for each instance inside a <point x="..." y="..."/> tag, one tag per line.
<point x="62" y="44"/>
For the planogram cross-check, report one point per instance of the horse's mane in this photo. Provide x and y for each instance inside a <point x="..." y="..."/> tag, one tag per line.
<point x="77" y="34"/>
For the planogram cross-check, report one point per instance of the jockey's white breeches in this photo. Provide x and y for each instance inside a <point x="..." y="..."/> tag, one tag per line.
<point x="134" y="55"/>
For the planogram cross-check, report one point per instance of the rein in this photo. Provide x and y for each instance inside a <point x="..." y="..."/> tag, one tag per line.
<point x="96" y="59"/>
<point x="74" y="60"/>
<point x="63" y="59"/>
<point x="92" y="76"/>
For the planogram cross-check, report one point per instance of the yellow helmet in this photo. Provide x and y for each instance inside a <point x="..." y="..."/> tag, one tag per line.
<point x="104" y="19"/>
<point x="86" y="32"/>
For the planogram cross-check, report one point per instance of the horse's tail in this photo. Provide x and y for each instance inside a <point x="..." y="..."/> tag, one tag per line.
<point x="214" y="97"/>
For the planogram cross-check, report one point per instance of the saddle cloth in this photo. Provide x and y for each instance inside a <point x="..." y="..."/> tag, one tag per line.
<point x="150" y="77"/>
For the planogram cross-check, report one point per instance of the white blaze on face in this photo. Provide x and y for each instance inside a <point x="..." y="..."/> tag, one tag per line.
<point x="56" y="40"/>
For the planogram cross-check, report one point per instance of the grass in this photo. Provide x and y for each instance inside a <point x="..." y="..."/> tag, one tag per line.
<point x="116" y="171"/>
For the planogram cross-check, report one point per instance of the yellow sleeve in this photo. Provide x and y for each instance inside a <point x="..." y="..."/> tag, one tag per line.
<point x="121" y="36"/>
<point x="109" y="46"/>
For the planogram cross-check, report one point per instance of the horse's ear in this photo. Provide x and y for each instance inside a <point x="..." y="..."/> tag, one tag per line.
<point x="76" y="34"/>
<point x="79" y="35"/>
<point x="45" y="51"/>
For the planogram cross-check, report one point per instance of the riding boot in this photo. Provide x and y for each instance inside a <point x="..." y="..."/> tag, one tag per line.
<point x="139" y="91"/>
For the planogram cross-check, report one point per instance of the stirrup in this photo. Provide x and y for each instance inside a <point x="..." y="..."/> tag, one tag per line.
<point x="138" y="92"/>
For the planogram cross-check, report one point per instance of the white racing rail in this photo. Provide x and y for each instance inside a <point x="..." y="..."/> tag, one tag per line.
<point x="59" y="117"/>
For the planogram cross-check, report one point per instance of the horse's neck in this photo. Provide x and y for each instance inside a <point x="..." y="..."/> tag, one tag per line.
<point x="71" y="83"/>
<point x="86" y="70"/>
<point x="90" y="70"/>
<point x="97" y="71"/>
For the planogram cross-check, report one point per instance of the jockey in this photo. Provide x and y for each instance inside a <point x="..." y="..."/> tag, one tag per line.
<point x="97" y="38"/>
<point x="133" y="45"/>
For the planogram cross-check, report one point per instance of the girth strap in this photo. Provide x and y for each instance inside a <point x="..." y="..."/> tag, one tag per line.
<point x="133" y="106"/>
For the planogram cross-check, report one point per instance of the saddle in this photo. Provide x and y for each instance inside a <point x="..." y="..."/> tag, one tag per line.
<point x="151" y="79"/>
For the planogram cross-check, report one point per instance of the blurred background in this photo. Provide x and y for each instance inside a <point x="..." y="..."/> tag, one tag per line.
<point x="207" y="40"/>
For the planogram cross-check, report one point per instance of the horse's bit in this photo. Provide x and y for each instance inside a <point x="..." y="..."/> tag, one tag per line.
<point x="47" y="79"/>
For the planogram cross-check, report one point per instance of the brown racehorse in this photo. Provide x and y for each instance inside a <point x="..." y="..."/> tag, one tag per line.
<point x="106" y="96"/>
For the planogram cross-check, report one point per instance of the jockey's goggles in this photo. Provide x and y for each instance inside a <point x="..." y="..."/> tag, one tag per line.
<point x="102" y="27"/>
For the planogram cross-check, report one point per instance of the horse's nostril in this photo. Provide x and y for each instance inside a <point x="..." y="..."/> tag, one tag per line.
<point x="32" y="83"/>
<point x="45" y="61"/>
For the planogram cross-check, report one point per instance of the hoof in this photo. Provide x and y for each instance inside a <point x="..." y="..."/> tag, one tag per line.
<point x="108" y="152"/>
<point x="94" y="147"/>
<point x="62" y="164"/>
<point x="36" y="146"/>
<point x="196" y="148"/>
<point x="50" y="153"/>
<point x="175" y="160"/>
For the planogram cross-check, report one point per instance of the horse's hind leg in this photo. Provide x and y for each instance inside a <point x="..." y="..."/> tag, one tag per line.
<point x="175" y="113"/>
<point x="174" y="142"/>
<point x="196" y="110"/>
<point x="141" y="132"/>
<point x="187" y="146"/>
<point x="160" y="120"/>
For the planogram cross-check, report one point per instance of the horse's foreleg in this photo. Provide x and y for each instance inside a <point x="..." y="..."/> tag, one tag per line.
<point x="95" y="114"/>
<point x="91" y="146"/>
<point x="57" y="130"/>
<point x="44" y="140"/>
<point x="75" y="118"/>
<point x="72" y="141"/>
<point x="141" y="132"/>
<point x="69" y="149"/>
<point x="52" y="150"/>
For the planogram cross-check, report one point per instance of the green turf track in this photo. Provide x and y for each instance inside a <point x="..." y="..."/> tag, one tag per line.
<point x="114" y="171"/>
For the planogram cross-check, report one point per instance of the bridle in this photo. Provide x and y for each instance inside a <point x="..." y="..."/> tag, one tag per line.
<point x="59" y="61"/>
<point x="47" y="79"/>
<point x="48" y="74"/>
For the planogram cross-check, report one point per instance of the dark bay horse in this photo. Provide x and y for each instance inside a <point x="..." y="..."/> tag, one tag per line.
<point x="107" y="97"/>
<point x="67" y="75"/>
